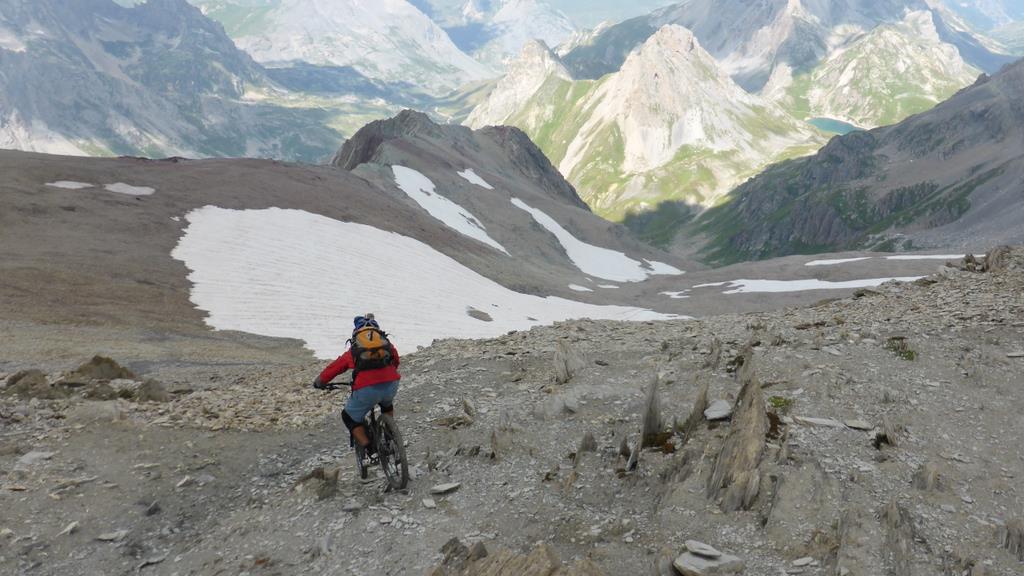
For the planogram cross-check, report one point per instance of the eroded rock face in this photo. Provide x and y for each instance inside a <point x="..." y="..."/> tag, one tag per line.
<point x="735" y="479"/>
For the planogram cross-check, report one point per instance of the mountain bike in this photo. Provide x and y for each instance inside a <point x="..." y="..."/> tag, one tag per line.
<point x="386" y="448"/>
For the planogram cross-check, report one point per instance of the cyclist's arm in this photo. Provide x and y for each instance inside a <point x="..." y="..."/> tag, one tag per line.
<point x="338" y="367"/>
<point x="394" y="356"/>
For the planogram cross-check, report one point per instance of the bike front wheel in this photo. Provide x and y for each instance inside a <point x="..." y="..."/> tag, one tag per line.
<point x="391" y="451"/>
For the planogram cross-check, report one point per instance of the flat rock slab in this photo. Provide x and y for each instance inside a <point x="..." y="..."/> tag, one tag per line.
<point x="823" y="422"/>
<point x="718" y="410"/>
<point x="859" y="425"/>
<point x="445" y="488"/>
<point x="35" y="457"/>
<point x="690" y="564"/>
<point x="702" y="549"/>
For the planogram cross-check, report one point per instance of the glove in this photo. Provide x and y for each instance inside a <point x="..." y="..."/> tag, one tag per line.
<point x="318" y="384"/>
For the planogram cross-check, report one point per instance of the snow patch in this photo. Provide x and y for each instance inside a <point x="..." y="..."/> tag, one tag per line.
<point x="835" y="262"/>
<point x="677" y="295"/>
<point x="776" y="286"/>
<point x="594" y="260"/>
<point x="608" y="286"/>
<point x="69" y="185"/>
<point x="926" y="257"/>
<point x="579" y="288"/>
<point x="469" y="175"/>
<point x="711" y="285"/>
<point x="250" y="271"/>
<point x="122" y="188"/>
<point x="422" y="191"/>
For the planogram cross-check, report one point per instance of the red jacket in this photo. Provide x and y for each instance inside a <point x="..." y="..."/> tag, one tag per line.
<point x="365" y="378"/>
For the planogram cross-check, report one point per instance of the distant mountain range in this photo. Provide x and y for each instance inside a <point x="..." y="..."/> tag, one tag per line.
<point x="390" y="40"/>
<point x="751" y="42"/>
<point x="951" y="176"/>
<point x="666" y="113"/>
<point x="95" y="78"/>
<point x="669" y="125"/>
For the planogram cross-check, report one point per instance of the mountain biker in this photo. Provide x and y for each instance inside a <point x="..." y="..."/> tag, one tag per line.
<point x="374" y="381"/>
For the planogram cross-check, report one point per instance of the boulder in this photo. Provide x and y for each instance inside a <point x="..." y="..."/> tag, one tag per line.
<point x="152" y="391"/>
<point x="567" y="362"/>
<point x="735" y="478"/>
<point x="33" y="384"/>
<point x="718" y="410"/>
<point x="690" y="564"/>
<point x="95" y="412"/>
<point x="100" y="368"/>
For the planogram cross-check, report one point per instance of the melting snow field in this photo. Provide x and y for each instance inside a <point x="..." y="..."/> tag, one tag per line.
<point x="835" y="262"/>
<point x="292" y="274"/>
<point x="471" y="176"/>
<point x="122" y="188"/>
<point x="927" y="257"/>
<point x="597" y="261"/>
<point x="69" y="185"/>
<point x="901" y="257"/>
<point x="422" y="191"/>
<point x="579" y="288"/>
<point x="775" y="286"/>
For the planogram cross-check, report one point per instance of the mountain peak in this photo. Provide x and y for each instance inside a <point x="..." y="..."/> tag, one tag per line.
<point x="533" y="67"/>
<point x="365" y="144"/>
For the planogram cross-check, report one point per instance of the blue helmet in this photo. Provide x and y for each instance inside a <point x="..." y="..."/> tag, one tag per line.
<point x="360" y="322"/>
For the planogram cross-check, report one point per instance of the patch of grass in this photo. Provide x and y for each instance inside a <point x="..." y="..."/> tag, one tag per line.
<point x="781" y="404"/>
<point x="899" y="346"/>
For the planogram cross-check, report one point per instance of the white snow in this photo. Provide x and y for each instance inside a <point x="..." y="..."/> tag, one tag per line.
<point x="69" y="185"/>
<point x="926" y="257"/>
<point x="775" y="286"/>
<point x="711" y="285"/>
<point x="579" y="288"/>
<point x="422" y="191"/>
<point x="662" y="269"/>
<point x="122" y="188"/>
<point x="594" y="260"/>
<point x="677" y="295"/>
<point x="471" y="176"/>
<point x="292" y="274"/>
<point x="608" y="286"/>
<point x="835" y="262"/>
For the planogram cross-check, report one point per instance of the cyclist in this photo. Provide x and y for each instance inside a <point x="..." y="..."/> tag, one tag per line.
<point x="374" y="363"/>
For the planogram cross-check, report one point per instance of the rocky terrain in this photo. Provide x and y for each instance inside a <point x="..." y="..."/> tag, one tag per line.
<point x="869" y="434"/>
<point x="950" y="175"/>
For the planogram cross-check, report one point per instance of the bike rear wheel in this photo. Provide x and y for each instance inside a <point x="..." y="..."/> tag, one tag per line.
<point x="391" y="451"/>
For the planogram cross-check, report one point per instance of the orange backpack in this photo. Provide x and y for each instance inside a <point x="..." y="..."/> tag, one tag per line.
<point x="371" y="349"/>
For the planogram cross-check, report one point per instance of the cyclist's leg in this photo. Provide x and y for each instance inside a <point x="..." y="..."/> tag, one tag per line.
<point x="359" y="404"/>
<point x="387" y="398"/>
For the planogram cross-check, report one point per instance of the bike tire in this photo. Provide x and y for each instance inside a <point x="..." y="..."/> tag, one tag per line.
<point x="362" y="466"/>
<point x="391" y="451"/>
